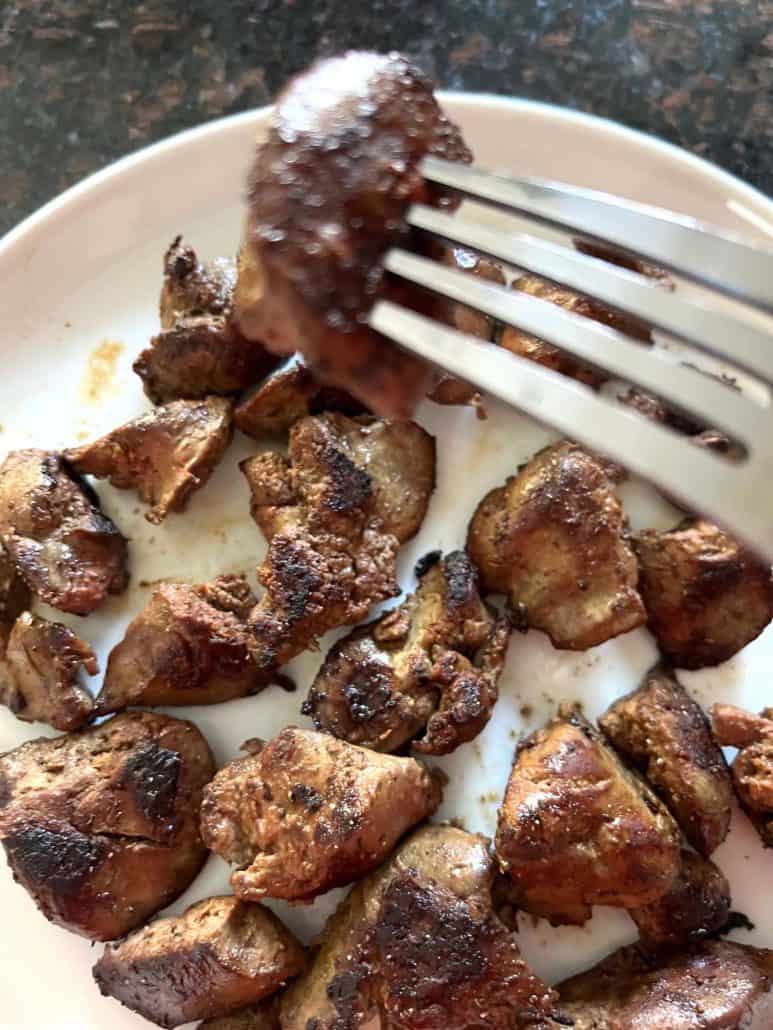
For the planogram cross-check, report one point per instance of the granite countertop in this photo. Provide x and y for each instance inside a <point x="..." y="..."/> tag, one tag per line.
<point x="83" y="82"/>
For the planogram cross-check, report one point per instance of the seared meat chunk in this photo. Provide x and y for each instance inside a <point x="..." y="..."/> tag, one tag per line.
<point x="101" y="826"/>
<point x="327" y="198"/>
<point x="305" y="813"/>
<point x="40" y="664"/>
<point x="165" y="455"/>
<point x="69" y="553"/>
<point x="577" y="828"/>
<point x="715" y="985"/>
<point x="288" y="394"/>
<point x="188" y="646"/>
<point x="753" y="765"/>
<point x="416" y="946"/>
<point x="218" y="955"/>
<point x="706" y="596"/>
<point x="666" y="735"/>
<point x="429" y="667"/>
<point x="199" y="350"/>
<point x="553" y="539"/>
<point x="263" y="1015"/>
<point x="696" y="906"/>
<point x="40" y="660"/>
<point x="199" y="357"/>
<point x="15" y="596"/>
<point x="191" y="288"/>
<point x="334" y="513"/>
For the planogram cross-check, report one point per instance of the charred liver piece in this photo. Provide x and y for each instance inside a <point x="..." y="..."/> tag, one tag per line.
<point x="188" y="646"/>
<point x="15" y="595"/>
<point x="40" y="660"/>
<point x="715" y="985"/>
<point x="102" y="827"/>
<point x="288" y="394"/>
<point x="305" y="813"/>
<point x="695" y="907"/>
<point x="416" y="946"/>
<point x="40" y="664"/>
<point x="577" y="828"/>
<point x="752" y="768"/>
<point x="69" y="553"/>
<point x="199" y="350"/>
<point x="706" y="596"/>
<point x="665" y="733"/>
<point x="219" y="955"/>
<point x="165" y="455"/>
<point x="334" y="512"/>
<point x="327" y="198"/>
<point x="428" y="668"/>
<point x="553" y="539"/>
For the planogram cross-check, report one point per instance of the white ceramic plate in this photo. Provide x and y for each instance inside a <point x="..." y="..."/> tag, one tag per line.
<point x="80" y="283"/>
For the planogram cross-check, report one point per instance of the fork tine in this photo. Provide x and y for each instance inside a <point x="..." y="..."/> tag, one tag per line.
<point x="675" y="241"/>
<point x="683" y="387"/>
<point x="712" y="330"/>
<point x="703" y="480"/>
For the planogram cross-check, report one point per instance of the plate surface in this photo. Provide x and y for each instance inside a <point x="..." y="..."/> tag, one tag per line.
<point x="81" y="281"/>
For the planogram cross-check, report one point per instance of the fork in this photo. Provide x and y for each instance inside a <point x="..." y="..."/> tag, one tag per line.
<point x="736" y="494"/>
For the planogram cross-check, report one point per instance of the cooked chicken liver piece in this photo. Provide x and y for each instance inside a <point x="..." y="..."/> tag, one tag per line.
<point x="373" y="965"/>
<point x="695" y="907"/>
<point x="554" y="540"/>
<point x="102" y="826"/>
<point x="328" y="194"/>
<point x="165" y="455"/>
<point x="706" y="596"/>
<point x="40" y="663"/>
<point x="577" y="828"/>
<point x="716" y="985"/>
<point x="67" y="550"/>
<point x="667" y="736"/>
<point x="199" y="350"/>
<point x="219" y="955"/>
<point x="306" y="812"/>
<point x="189" y="645"/>
<point x="752" y="767"/>
<point x="428" y="669"/>
<point x="289" y="393"/>
<point x="334" y="512"/>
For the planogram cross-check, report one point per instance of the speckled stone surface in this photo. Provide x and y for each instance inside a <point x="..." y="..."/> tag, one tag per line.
<point x="83" y="82"/>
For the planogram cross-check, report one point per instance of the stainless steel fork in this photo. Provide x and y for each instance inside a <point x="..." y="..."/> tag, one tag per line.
<point x="739" y="494"/>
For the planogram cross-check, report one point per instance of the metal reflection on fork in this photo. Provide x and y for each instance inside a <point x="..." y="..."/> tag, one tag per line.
<point x="738" y="495"/>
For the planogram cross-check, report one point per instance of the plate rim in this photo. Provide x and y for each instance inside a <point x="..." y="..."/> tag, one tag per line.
<point x="59" y="204"/>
